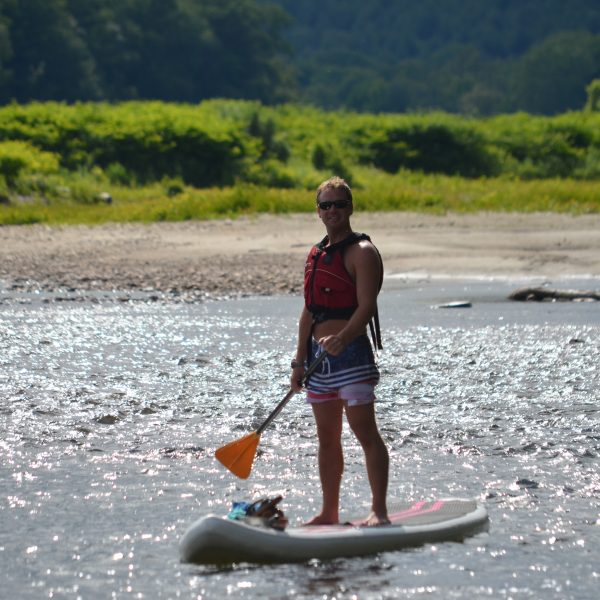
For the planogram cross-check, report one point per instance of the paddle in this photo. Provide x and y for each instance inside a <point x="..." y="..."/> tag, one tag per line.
<point x="238" y="456"/>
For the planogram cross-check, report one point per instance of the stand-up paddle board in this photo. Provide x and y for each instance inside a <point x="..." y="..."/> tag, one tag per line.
<point x="218" y="540"/>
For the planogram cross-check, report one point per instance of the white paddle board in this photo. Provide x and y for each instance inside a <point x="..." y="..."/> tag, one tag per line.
<point x="217" y="540"/>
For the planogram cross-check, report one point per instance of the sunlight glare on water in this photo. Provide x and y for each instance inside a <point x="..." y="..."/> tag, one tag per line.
<point x="110" y="414"/>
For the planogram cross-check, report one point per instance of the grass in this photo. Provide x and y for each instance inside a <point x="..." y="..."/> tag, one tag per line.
<point x="55" y="160"/>
<point x="373" y="191"/>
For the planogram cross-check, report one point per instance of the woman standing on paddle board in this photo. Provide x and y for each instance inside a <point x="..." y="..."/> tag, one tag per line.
<point x="343" y="275"/>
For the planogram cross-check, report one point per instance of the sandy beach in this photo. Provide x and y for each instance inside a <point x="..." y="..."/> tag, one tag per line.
<point x="265" y="254"/>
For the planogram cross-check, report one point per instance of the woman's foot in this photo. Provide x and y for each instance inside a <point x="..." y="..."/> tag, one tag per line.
<point x="375" y="520"/>
<point x="321" y="520"/>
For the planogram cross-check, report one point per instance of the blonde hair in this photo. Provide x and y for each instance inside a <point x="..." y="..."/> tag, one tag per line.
<point x="335" y="183"/>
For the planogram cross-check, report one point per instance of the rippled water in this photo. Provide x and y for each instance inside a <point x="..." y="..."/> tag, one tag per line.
<point x="110" y="413"/>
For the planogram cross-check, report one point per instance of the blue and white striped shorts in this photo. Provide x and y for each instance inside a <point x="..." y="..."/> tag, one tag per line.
<point x="351" y="376"/>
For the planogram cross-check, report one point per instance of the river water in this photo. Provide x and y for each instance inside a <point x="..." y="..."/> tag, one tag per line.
<point x="110" y="412"/>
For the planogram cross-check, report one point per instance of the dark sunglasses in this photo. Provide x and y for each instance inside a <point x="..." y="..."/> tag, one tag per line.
<point x="337" y="203"/>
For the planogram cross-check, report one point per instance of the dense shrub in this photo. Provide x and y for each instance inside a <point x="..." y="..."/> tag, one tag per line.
<point x="148" y="140"/>
<point x="593" y="96"/>
<point x="220" y="143"/>
<point x="327" y="158"/>
<point x="432" y="147"/>
<point x="18" y="158"/>
<point x="541" y="147"/>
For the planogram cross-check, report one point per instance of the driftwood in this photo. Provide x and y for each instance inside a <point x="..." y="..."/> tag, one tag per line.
<point x="540" y="294"/>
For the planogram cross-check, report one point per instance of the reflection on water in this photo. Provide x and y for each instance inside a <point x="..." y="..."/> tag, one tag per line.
<point x="110" y="413"/>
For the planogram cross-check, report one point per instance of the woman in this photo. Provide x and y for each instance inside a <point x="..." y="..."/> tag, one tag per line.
<point x="343" y="276"/>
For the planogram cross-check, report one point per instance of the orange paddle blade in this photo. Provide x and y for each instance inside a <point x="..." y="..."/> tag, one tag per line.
<point x="238" y="456"/>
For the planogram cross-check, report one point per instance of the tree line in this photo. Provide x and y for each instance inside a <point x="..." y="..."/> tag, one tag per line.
<point x="460" y="56"/>
<point x="174" y="50"/>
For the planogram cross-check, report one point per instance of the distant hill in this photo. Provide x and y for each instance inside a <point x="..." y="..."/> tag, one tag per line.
<point x="475" y="57"/>
<point x="469" y="56"/>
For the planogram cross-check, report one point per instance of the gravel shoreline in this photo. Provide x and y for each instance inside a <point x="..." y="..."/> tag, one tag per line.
<point x="265" y="255"/>
<point x="230" y="276"/>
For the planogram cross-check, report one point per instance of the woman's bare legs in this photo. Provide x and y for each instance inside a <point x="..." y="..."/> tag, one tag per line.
<point x="328" y="417"/>
<point x="362" y="422"/>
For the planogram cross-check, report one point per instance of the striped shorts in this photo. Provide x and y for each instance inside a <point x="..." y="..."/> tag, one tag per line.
<point x="350" y="376"/>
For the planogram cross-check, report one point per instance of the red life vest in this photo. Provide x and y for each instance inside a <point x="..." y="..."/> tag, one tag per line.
<point x="329" y="290"/>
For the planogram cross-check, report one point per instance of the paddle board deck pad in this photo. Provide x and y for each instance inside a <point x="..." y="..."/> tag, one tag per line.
<point x="218" y="540"/>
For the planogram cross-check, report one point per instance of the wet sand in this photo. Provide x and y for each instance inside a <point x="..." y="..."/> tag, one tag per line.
<point x="265" y="254"/>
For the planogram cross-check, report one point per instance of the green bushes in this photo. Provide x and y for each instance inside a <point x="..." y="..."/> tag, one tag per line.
<point x="327" y="158"/>
<point x="540" y="148"/>
<point x="61" y="154"/>
<point x="593" y="96"/>
<point x="145" y="140"/>
<point x="433" y="147"/>
<point x="19" y="158"/>
<point x="517" y="145"/>
<point x="218" y="143"/>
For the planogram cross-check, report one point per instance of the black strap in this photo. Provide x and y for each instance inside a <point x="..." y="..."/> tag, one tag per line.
<point x="353" y="238"/>
<point x="374" y="322"/>
<point x="376" y="330"/>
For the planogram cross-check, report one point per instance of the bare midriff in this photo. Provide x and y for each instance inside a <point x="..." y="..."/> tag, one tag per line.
<point x="330" y="327"/>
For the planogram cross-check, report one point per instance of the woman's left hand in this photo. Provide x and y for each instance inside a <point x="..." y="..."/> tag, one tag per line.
<point x="332" y="344"/>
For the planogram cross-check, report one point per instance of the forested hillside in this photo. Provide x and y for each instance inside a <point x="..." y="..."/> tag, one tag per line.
<point x="468" y="56"/>
<point x="176" y="50"/>
<point x="477" y="57"/>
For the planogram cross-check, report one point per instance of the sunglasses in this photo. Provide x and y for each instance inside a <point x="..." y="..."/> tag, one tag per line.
<point x="337" y="203"/>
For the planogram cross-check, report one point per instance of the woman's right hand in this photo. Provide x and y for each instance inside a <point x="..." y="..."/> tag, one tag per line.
<point x="297" y="378"/>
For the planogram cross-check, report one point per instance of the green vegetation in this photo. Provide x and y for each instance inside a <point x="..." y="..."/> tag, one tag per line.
<point x="477" y="57"/>
<point x="172" y="50"/>
<point x="153" y="161"/>
<point x="593" y="101"/>
<point x="460" y="56"/>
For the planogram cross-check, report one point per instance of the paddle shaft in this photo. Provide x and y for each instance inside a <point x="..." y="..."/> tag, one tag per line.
<point x="311" y="369"/>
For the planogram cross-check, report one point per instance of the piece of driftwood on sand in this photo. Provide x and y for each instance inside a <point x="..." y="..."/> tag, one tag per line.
<point x="540" y="294"/>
